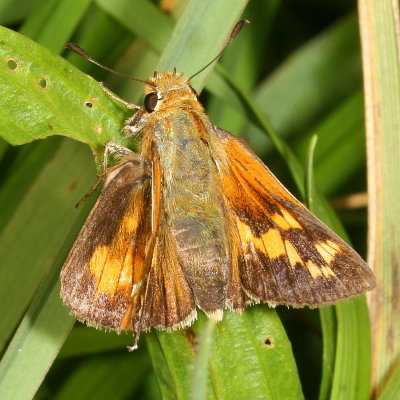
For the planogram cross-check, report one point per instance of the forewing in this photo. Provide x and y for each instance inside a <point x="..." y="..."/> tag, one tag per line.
<point x="107" y="260"/>
<point x="286" y="255"/>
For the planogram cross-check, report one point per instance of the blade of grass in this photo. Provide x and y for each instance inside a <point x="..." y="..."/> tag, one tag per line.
<point x="44" y="328"/>
<point x="200" y="371"/>
<point x="309" y="183"/>
<point x="28" y="249"/>
<point x="12" y="12"/>
<point x="327" y="314"/>
<point x="353" y="356"/>
<point x="340" y="133"/>
<point x="20" y="167"/>
<point x="329" y="334"/>
<point x="323" y="71"/>
<point x="135" y="16"/>
<point x="54" y="21"/>
<point x="379" y="25"/>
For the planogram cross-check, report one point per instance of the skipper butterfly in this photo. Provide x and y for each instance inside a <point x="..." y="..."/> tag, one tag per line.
<point x="197" y="220"/>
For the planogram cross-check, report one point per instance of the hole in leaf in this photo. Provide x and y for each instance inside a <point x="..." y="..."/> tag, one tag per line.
<point x="12" y="63"/>
<point x="97" y="129"/>
<point x="90" y="103"/>
<point x="42" y="83"/>
<point x="269" y="342"/>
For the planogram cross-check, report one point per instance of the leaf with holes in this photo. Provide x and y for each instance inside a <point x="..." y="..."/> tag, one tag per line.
<point x="42" y="95"/>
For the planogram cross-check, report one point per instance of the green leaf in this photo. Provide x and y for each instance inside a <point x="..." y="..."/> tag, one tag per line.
<point x="50" y="92"/>
<point x="247" y="352"/>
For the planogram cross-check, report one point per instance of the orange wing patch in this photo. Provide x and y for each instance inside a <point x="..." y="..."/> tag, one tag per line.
<point x="118" y="266"/>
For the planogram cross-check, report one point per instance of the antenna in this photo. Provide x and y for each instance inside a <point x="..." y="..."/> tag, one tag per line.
<point x="78" y="50"/>
<point x="235" y="31"/>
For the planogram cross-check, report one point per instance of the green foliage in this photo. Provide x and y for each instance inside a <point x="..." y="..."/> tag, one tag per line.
<point x="281" y="77"/>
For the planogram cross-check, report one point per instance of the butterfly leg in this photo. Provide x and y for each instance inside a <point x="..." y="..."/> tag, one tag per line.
<point x="110" y="148"/>
<point x="113" y="149"/>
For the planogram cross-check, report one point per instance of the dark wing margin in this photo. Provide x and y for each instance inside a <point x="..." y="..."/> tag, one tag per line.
<point x="286" y="254"/>
<point x="107" y="260"/>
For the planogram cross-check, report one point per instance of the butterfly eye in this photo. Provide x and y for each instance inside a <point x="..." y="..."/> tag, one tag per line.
<point x="150" y="102"/>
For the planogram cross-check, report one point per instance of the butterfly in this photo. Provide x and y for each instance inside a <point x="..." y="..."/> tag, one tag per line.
<point x="196" y="220"/>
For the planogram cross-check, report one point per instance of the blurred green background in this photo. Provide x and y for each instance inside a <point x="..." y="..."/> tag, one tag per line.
<point x="299" y="65"/>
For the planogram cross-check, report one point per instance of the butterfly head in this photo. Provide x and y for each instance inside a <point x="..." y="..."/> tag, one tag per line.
<point x="165" y="88"/>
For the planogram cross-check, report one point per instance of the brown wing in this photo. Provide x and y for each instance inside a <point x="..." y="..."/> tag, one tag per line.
<point x="286" y="255"/>
<point x="107" y="260"/>
<point x="122" y="272"/>
<point x="167" y="300"/>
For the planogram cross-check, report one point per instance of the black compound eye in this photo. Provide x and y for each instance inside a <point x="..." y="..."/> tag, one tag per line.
<point x="150" y="102"/>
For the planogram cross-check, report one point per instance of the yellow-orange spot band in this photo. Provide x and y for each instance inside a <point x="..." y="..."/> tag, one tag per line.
<point x="333" y="245"/>
<point x="327" y="250"/>
<point x="328" y="257"/>
<point x="273" y="242"/>
<point x="327" y="272"/>
<point x="286" y="220"/>
<point x="268" y="243"/>
<point x="292" y="254"/>
<point x="313" y="269"/>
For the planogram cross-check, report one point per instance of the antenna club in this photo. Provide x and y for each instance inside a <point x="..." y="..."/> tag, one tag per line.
<point x="235" y="31"/>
